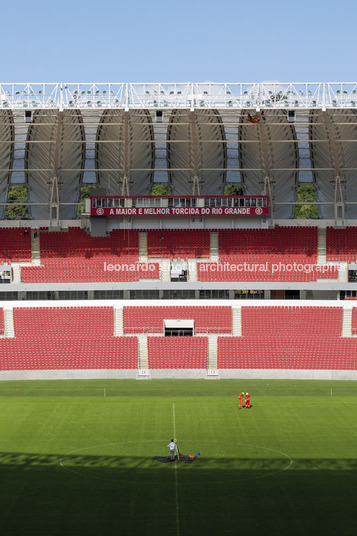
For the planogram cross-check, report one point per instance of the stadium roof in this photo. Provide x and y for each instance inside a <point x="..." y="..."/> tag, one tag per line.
<point x="272" y="95"/>
<point x="268" y="136"/>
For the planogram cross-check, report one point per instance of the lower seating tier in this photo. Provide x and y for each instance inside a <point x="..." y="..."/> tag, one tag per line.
<point x="63" y="322"/>
<point x="150" y="319"/>
<point x="177" y="352"/>
<point x="315" y="353"/>
<point x="56" y="353"/>
<point x="354" y="321"/>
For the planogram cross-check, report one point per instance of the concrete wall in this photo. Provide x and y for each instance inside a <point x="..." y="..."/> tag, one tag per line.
<point x="67" y="374"/>
<point x="188" y="374"/>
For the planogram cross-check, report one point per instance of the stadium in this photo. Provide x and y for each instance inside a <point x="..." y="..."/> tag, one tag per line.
<point x="160" y="232"/>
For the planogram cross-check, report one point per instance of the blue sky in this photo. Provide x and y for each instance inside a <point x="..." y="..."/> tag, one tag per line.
<point x="178" y="41"/>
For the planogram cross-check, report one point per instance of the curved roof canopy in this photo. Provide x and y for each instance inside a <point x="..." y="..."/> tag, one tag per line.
<point x="334" y="158"/>
<point x="196" y="152"/>
<point x="125" y="152"/>
<point x="54" y="161"/>
<point x="269" y="158"/>
<point x="6" y="155"/>
<point x="196" y="149"/>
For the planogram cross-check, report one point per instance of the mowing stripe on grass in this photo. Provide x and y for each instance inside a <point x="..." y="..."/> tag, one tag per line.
<point x="176" y="486"/>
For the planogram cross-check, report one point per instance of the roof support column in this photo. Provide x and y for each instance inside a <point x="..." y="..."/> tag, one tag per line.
<point x="125" y="186"/>
<point x="339" y="204"/>
<point x="267" y="181"/>
<point x="196" y="172"/>
<point x="54" y="198"/>
<point x="54" y="203"/>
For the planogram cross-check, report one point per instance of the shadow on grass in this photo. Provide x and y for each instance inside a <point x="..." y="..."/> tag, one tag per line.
<point x="79" y="494"/>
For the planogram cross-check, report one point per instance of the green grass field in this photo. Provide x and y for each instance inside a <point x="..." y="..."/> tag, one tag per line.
<point x="76" y="458"/>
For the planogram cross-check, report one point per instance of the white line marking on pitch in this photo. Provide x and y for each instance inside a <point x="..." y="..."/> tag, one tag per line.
<point x="176" y="486"/>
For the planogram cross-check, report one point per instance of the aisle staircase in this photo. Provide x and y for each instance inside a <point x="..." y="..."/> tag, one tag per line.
<point x="143" y="360"/>
<point x="35" y="249"/>
<point x="118" y="322"/>
<point x="214" y="247"/>
<point x="236" y="321"/>
<point x="212" y="351"/>
<point x="16" y="273"/>
<point x="192" y="269"/>
<point x="143" y="247"/>
<point x="9" y="328"/>
<point x="165" y="270"/>
<point x="321" y="246"/>
<point x="347" y="322"/>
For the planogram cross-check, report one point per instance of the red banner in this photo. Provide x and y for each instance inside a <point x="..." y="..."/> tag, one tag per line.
<point x="181" y="211"/>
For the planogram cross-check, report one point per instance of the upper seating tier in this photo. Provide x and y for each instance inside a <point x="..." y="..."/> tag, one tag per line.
<point x="282" y="254"/>
<point x="341" y="244"/>
<point x="75" y="256"/>
<point x="15" y="245"/>
<point x="178" y="244"/>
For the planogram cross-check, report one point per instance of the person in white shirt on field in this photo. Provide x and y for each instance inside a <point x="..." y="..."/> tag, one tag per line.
<point x="173" y="448"/>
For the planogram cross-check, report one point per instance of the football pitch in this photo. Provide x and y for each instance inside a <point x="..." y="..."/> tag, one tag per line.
<point x="76" y="458"/>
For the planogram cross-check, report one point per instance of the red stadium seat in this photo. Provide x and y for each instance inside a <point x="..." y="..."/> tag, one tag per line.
<point x="282" y="254"/>
<point x="74" y="256"/>
<point x="177" y="352"/>
<point x="150" y="319"/>
<point x="289" y="338"/>
<point x="15" y="245"/>
<point x="341" y="244"/>
<point x="66" y="338"/>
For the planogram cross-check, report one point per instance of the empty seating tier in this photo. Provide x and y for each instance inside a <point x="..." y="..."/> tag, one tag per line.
<point x="150" y="319"/>
<point x="354" y="321"/>
<point x="1" y="321"/>
<point x="294" y="321"/>
<point x="287" y="353"/>
<point x="86" y="322"/>
<point x="178" y="244"/>
<point x="66" y="338"/>
<point x="74" y="256"/>
<point x="15" y="245"/>
<point x="177" y="352"/>
<point x="341" y="244"/>
<point x="289" y="338"/>
<point x="282" y="254"/>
